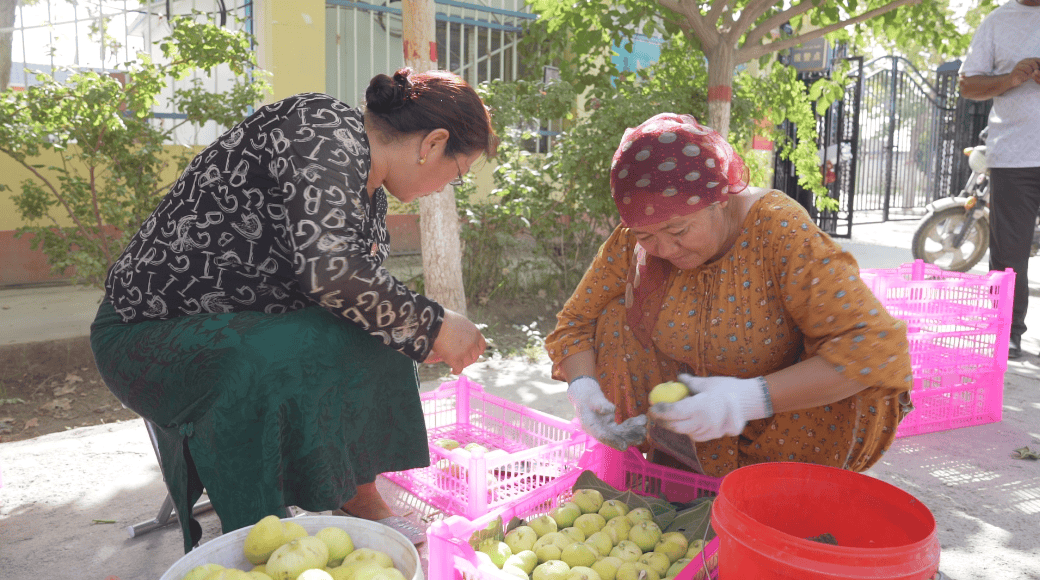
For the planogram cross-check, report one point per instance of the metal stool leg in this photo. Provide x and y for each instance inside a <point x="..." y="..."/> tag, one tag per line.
<point x="165" y="516"/>
<point x="167" y="510"/>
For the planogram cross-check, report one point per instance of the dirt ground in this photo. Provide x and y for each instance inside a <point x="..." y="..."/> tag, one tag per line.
<point x="50" y="386"/>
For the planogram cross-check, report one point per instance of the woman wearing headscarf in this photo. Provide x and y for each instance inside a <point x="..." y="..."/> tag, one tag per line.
<point x="736" y="293"/>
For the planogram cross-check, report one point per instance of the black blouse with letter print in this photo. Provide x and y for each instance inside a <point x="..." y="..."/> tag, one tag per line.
<point x="275" y="216"/>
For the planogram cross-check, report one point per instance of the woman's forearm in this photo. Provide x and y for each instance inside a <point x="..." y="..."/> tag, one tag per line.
<point x="810" y="383"/>
<point x="578" y="364"/>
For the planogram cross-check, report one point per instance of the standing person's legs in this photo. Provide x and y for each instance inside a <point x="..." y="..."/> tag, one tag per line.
<point x="1015" y="201"/>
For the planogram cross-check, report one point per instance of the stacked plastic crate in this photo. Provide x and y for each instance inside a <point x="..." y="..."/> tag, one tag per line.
<point x="958" y="325"/>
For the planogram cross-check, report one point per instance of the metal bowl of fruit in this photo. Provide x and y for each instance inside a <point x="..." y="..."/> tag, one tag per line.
<point x="285" y="548"/>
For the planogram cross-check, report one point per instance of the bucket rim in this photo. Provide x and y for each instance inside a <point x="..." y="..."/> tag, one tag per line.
<point x="722" y="502"/>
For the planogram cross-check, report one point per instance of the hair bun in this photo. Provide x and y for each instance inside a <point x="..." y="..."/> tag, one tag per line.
<point x="386" y="94"/>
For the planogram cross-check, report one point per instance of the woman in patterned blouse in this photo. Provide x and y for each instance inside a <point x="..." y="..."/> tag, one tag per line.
<point x="736" y="293"/>
<point x="252" y="322"/>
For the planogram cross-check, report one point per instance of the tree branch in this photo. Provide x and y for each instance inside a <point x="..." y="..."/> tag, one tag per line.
<point x="674" y="6"/>
<point x="94" y="200"/>
<point x="726" y="23"/>
<point x="776" y="20"/>
<point x="752" y="12"/>
<point x="61" y="199"/>
<point x="707" y="34"/>
<point x="748" y="53"/>
<point x="716" y="10"/>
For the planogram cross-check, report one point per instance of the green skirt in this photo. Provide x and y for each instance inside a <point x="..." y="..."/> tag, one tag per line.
<point x="264" y="411"/>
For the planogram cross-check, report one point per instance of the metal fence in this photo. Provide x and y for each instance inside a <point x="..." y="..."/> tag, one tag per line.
<point x="52" y="36"/>
<point x="899" y="136"/>
<point x="891" y="146"/>
<point x="961" y="122"/>
<point x="476" y="40"/>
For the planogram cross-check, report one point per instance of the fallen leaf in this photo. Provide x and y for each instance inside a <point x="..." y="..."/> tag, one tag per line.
<point x="56" y="405"/>
<point x="71" y="378"/>
<point x="31" y="424"/>
<point x="66" y="390"/>
<point x="1025" y="453"/>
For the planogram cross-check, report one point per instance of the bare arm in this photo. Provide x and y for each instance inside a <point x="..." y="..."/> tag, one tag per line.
<point x="578" y="364"/>
<point x="810" y="383"/>
<point x="983" y="87"/>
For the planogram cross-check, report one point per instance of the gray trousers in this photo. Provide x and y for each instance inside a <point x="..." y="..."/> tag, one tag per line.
<point x="1015" y="200"/>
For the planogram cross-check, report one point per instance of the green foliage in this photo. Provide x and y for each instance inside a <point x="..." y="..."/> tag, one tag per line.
<point x="110" y="155"/>
<point x="788" y="100"/>
<point x="584" y="32"/>
<point x="926" y="33"/>
<point x="490" y="236"/>
<point x="522" y="204"/>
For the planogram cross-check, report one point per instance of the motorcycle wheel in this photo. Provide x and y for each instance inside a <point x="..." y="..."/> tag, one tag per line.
<point x="933" y="240"/>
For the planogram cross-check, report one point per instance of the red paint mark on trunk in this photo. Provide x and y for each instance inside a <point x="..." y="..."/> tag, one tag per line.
<point x="720" y="93"/>
<point x="433" y="52"/>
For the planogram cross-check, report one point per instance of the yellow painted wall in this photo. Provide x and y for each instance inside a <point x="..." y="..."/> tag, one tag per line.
<point x="13" y="174"/>
<point x="291" y="45"/>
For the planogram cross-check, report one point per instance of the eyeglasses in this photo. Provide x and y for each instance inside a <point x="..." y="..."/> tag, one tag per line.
<point x="458" y="180"/>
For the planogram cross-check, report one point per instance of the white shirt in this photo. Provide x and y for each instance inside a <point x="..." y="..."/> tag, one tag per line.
<point x="1008" y="35"/>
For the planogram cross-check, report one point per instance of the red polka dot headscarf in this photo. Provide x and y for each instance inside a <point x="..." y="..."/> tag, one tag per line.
<point x="670" y="166"/>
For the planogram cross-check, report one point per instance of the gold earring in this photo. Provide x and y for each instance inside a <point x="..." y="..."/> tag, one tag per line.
<point x="422" y="160"/>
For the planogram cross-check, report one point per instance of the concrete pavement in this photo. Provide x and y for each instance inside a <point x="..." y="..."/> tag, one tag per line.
<point x="56" y="488"/>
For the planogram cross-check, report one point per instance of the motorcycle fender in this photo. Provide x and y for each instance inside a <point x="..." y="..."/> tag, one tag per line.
<point x="947" y="202"/>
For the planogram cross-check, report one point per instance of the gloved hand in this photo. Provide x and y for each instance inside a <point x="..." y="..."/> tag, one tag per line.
<point x="719" y="406"/>
<point x="597" y="416"/>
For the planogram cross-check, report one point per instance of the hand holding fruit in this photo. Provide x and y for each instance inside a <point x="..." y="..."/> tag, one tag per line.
<point x="720" y="406"/>
<point x="670" y="392"/>
<point x="597" y="416"/>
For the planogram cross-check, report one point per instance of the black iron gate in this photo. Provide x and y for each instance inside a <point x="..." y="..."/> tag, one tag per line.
<point x="890" y="146"/>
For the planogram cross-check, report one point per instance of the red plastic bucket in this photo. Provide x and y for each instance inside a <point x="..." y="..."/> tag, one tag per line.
<point x="764" y="512"/>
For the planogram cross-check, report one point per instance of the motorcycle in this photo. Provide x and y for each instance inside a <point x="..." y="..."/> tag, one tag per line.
<point x="954" y="233"/>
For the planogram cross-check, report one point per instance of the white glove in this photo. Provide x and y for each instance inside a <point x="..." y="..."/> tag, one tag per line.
<point x="719" y="406"/>
<point x="597" y="416"/>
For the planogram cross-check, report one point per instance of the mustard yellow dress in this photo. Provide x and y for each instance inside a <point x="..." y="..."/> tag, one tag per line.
<point x="784" y="292"/>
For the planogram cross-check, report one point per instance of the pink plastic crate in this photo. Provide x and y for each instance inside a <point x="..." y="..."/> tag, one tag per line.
<point x="452" y="558"/>
<point x="527" y="449"/>
<point x="958" y="326"/>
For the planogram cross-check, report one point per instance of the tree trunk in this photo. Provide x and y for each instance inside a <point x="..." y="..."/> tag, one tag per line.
<point x="438" y="216"/>
<point x="721" y="62"/>
<point x="7" y="15"/>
